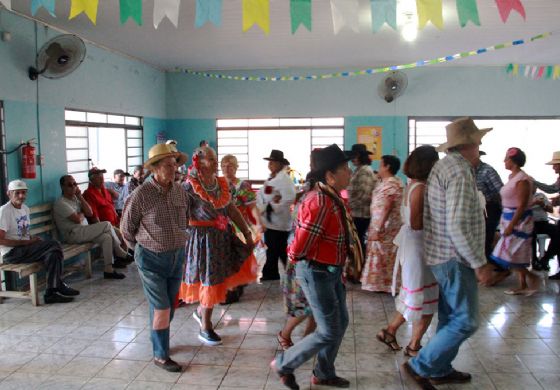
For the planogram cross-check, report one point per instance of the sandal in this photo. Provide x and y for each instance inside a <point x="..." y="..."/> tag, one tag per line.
<point x="411" y="352"/>
<point x="388" y="339"/>
<point x="284" y="342"/>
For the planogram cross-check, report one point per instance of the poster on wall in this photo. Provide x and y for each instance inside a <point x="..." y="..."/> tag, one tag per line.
<point x="371" y="137"/>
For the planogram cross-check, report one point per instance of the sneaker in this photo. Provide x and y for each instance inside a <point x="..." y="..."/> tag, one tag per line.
<point x="197" y="317"/>
<point x="209" y="337"/>
<point x="453" y="377"/>
<point x="333" y="382"/>
<point x="169" y="365"/>
<point x="65" y="289"/>
<point x="113" y="275"/>
<point x="55" y="297"/>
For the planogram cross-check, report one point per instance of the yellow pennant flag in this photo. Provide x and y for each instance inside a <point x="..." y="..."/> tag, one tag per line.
<point x="430" y="10"/>
<point x="556" y="73"/>
<point x="515" y="69"/>
<point x="256" y="12"/>
<point x="89" y="7"/>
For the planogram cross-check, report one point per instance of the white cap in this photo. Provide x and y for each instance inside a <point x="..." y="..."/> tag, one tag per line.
<point x="17" y="185"/>
<point x="171" y="141"/>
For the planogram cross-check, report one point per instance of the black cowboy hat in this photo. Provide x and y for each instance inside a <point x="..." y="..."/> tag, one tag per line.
<point x="357" y="149"/>
<point x="277" y="155"/>
<point x="329" y="158"/>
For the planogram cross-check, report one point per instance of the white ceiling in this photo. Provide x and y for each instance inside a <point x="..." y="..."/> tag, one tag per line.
<point x="228" y="48"/>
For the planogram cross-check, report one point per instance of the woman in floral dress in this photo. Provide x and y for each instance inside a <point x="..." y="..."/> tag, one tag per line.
<point x="384" y="226"/>
<point x="216" y="259"/>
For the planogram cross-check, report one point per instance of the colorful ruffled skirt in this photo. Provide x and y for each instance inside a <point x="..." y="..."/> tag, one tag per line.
<point x="514" y="251"/>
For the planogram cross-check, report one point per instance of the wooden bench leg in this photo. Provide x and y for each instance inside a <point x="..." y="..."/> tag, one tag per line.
<point x="33" y="289"/>
<point x="88" y="265"/>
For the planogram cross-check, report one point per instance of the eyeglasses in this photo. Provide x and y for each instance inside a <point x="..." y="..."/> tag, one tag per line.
<point x="72" y="184"/>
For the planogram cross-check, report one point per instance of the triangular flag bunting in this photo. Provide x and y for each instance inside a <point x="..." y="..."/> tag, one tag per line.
<point x="345" y="12"/>
<point x="549" y="71"/>
<point x="6" y="3"/>
<point x="430" y="10"/>
<point x="468" y="11"/>
<point x="166" y="8"/>
<point x="256" y="12"/>
<point x="506" y="6"/>
<point x="300" y="12"/>
<point x="556" y="73"/>
<point x="131" y="9"/>
<point x="383" y="11"/>
<point x="47" y="4"/>
<point x="208" y="11"/>
<point x="89" y="7"/>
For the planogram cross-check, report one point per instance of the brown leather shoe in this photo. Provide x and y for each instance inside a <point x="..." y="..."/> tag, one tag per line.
<point x="453" y="377"/>
<point x="333" y="382"/>
<point x="424" y="383"/>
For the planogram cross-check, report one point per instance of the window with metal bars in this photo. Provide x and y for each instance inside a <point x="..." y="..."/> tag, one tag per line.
<point x="107" y="141"/>
<point x="250" y="140"/>
<point x="3" y="158"/>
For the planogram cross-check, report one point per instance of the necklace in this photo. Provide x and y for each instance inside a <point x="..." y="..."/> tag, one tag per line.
<point x="210" y="188"/>
<point x="217" y="201"/>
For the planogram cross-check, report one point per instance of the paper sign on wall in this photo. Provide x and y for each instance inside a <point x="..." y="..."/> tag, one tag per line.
<point x="371" y="137"/>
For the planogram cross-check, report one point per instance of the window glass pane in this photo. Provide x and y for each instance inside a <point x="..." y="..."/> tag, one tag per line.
<point x="76" y="166"/>
<point x="132" y="161"/>
<point x="327" y="121"/>
<point x="132" y="120"/>
<point x="80" y="154"/>
<point x="232" y="142"/>
<point x="232" y="134"/>
<point x="287" y="122"/>
<point x="81" y="177"/>
<point x="134" y="152"/>
<point x="232" y="123"/>
<point x="134" y="133"/>
<point x="76" y="131"/>
<point x="266" y="122"/>
<point x="233" y="149"/>
<point x="79" y="116"/>
<point x="328" y="133"/>
<point x="134" y="142"/>
<point x="76" y="142"/>
<point x="96" y="117"/>
<point x="115" y="119"/>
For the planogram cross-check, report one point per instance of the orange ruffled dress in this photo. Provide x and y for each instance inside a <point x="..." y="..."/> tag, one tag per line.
<point x="216" y="259"/>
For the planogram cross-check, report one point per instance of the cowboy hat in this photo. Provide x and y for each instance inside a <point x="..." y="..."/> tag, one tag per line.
<point x="160" y="151"/>
<point x="555" y="159"/>
<point x="329" y="158"/>
<point x="277" y="155"/>
<point x="462" y="131"/>
<point x="357" y="149"/>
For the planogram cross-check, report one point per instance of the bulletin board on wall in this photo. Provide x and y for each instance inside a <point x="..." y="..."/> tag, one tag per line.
<point x="371" y="136"/>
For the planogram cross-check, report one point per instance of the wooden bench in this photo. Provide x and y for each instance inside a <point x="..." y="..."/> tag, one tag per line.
<point x="41" y="224"/>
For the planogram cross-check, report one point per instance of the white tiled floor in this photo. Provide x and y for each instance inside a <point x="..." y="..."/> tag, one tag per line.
<point x="101" y="341"/>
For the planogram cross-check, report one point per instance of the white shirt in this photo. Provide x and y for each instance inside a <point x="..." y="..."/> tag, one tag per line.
<point x="15" y="222"/>
<point x="280" y="217"/>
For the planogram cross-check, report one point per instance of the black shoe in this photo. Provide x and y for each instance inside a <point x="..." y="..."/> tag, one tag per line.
<point x="55" y="297"/>
<point x="120" y="263"/>
<point x="453" y="377"/>
<point x="169" y="365"/>
<point x="113" y="275"/>
<point x="556" y="276"/>
<point x="209" y="337"/>
<point x="288" y="380"/>
<point x="65" y="289"/>
<point x="333" y="382"/>
<point x="264" y="278"/>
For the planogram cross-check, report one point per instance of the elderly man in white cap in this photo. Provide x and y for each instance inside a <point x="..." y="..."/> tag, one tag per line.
<point x="18" y="246"/>
<point x="454" y="250"/>
<point x="154" y="223"/>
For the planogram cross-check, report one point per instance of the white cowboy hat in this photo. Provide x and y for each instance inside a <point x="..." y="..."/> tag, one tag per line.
<point x="555" y="159"/>
<point x="160" y="151"/>
<point x="462" y="131"/>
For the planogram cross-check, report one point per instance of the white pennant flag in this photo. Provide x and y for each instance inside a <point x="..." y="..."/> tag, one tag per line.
<point x="7" y="4"/>
<point x="169" y="8"/>
<point x="345" y="12"/>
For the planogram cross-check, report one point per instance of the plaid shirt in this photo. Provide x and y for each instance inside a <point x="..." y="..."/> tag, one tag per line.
<point x="361" y="186"/>
<point x="488" y="182"/>
<point x="154" y="219"/>
<point x="454" y="225"/>
<point x="549" y="188"/>
<point x="319" y="234"/>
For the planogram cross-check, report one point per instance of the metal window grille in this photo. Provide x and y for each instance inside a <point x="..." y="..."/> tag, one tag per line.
<point x="3" y="157"/>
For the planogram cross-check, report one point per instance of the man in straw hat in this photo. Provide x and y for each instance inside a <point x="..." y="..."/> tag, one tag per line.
<point x="153" y="223"/>
<point x="454" y="251"/>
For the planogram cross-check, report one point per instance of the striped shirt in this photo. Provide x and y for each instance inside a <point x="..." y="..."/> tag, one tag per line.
<point x="454" y="227"/>
<point x="549" y="188"/>
<point x="155" y="219"/>
<point x="361" y="186"/>
<point x="488" y="182"/>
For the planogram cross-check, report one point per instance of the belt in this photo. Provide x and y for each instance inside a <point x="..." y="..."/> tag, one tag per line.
<point x="326" y="267"/>
<point x="219" y="223"/>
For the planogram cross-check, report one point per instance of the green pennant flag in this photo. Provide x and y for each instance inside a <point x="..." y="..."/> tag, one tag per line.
<point x="467" y="10"/>
<point x="300" y="11"/>
<point x="131" y="9"/>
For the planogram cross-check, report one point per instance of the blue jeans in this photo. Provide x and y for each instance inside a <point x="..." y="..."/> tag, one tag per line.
<point x="161" y="275"/>
<point x="458" y="319"/>
<point x="326" y="295"/>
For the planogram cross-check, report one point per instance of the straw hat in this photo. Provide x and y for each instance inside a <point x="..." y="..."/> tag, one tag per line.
<point x="462" y="131"/>
<point x="555" y="159"/>
<point x="160" y="151"/>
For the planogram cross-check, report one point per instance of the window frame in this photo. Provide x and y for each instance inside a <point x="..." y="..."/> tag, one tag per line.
<point x="4" y="156"/>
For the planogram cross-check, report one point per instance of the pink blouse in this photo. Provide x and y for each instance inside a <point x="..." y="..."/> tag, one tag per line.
<point x="508" y="193"/>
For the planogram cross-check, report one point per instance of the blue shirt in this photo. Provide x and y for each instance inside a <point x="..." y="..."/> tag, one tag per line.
<point x="119" y="202"/>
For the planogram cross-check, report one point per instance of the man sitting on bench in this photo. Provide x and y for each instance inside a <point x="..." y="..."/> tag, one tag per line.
<point x="19" y="247"/>
<point x="70" y="212"/>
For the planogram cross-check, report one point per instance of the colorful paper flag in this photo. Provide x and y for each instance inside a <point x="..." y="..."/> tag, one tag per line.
<point x="256" y="12"/>
<point x="89" y="7"/>
<point x="166" y="8"/>
<point x="383" y="11"/>
<point x="300" y="12"/>
<point x="506" y="6"/>
<point x="6" y="3"/>
<point x="47" y="4"/>
<point x="430" y="10"/>
<point x="467" y="11"/>
<point x="345" y="12"/>
<point x="208" y="11"/>
<point x="556" y="73"/>
<point x="131" y="9"/>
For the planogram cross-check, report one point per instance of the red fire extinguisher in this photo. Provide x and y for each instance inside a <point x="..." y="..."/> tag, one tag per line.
<point x="28" y="170"/>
